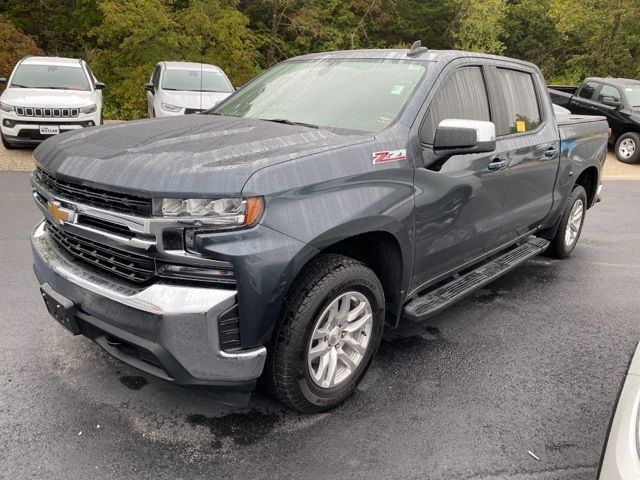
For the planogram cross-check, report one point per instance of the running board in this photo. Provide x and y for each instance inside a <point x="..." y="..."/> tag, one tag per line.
<point x="434" y="301"/>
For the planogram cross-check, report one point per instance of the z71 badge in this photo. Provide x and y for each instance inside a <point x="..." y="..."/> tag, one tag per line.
<point x="389" y="156"/>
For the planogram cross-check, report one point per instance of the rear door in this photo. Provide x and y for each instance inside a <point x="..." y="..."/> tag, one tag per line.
<point x="458" y="203"/>
<point x="526" y="129"/>
<point x="583" y="102"/>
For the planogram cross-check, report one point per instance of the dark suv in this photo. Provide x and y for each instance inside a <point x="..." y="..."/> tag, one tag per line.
<point x="618" y="99"/>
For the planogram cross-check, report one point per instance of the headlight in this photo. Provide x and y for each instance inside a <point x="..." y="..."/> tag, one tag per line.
<point x="221" y="213"/>
<point x="89" y="109"/>
<point x="6" y="107"/>
<point x="170" y="108"/>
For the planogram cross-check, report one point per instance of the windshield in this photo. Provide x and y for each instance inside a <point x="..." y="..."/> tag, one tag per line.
<point x="633" y="96"/>
<point x="362" y="95"/>
<point x="196" y="81"/>
<point x="50" y="76"/>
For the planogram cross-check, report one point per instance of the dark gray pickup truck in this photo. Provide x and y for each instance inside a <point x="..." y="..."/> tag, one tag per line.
<point x="278" y="233"/>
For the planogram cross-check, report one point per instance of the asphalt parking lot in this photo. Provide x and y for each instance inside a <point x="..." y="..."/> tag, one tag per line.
<point x="532" y="363"/>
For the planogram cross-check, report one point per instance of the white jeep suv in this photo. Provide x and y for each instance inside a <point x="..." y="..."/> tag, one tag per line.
<point x="179" y="88"/>
<point x="46" y="96"/>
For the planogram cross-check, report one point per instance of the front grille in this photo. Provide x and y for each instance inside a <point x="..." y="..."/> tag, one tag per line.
<point x="30" y="134"/>
<point x="133" y="267"/>
<point x="47" y="112"/>
<point x="96" y="197"/>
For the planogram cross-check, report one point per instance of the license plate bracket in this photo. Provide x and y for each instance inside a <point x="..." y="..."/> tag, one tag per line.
<point x="49" y="129"/>
<point x="61" y="309"/>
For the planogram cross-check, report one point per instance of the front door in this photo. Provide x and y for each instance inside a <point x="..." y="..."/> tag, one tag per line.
<point x="459" y="202"/>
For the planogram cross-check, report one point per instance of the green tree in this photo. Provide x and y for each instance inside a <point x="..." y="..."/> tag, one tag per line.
<point x="479" y="26"/>
<point x="134" y="36"/>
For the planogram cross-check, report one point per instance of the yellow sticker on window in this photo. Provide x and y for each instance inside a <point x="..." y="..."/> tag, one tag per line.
<point x="520" y="126"/>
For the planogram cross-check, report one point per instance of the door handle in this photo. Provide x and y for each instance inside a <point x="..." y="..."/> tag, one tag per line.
<point x="551" y="152"/>
<point x="497" y="164"/>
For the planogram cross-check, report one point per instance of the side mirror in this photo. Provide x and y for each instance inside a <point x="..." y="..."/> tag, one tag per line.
<point x="610" y="102"/>
<point x="149" y="87"/>
<point x="457" y="137"/>
<point x="100" y="86"/>
<point x="3" y="81"/>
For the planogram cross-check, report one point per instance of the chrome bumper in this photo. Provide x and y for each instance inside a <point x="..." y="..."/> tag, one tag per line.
<point x="178" y="324"/>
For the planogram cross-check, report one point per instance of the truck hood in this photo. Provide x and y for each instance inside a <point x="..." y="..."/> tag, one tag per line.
<point x="43" y="97"/>
<point x="191" y="155"/>
<point x="195" y="100"/>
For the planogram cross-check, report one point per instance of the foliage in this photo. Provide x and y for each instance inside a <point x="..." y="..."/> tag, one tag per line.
<point x="13" y="46"/>
<point x="123" y="39"/>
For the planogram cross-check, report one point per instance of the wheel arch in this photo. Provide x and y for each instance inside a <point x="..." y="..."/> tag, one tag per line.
<point x="588" y="179"/>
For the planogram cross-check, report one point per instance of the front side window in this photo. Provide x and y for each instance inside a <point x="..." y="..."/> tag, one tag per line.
<point x="588" y="89"/>
<point x="364" y="95"/>
<point x="522" y="112"/>
<point x="50" y="76"/>
<point x="463" y="95"/>
<point x="609" y="91"/>
<point x="195" y="81"/>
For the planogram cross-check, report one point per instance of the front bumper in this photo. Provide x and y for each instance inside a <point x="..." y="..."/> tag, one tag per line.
<point x="26" y="130"/>
<point x="165" y="329"/>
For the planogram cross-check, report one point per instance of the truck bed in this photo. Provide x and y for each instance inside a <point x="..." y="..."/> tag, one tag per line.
<point x="581" y="136"/>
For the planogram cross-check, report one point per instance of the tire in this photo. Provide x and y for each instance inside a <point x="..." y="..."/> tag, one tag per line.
<point x="6" y="144"/>
<point x="290" y="369"/>
<point x="627" y="148"/>
<point x="564" y="242"/>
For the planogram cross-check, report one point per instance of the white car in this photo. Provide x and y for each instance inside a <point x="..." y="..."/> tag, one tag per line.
<point x="46" y="96"/>
<point x="179" y="88"/>
<point x="621" y="459"/>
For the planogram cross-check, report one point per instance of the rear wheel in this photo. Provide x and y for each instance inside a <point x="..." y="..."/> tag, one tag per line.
<point x="327" y="336"/>
<point x="628" y="148"/>
<point x="571" y="224"/>
<point x="5" y="143"/>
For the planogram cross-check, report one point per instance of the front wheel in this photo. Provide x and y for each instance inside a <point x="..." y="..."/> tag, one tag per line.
<point x="628" y="148"/>
<point x="571" y="224"/>
<point x="327" y="336"/>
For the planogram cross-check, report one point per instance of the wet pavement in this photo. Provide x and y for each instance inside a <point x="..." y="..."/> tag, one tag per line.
<point x="532" y="363"/>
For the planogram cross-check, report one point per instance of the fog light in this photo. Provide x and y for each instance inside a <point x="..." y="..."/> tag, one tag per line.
<point x="89" y="123"/>
<point x="8" y="123"/>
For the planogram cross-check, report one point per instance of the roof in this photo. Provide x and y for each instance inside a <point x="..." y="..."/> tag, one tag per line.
<point x="67" y="62"/>
<point x="616" y="81"/>
<point x="190" y="66"/>
<point x="402" y="54"/>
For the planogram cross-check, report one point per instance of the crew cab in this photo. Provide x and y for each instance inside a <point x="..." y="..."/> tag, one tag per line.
<point x="181" y="88"/>
<point x="46" y="96"/>
<point x="617" y="99"/>
<point x="278" y="233"/>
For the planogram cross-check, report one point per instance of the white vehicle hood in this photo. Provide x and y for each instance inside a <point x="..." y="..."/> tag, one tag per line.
<point x="198" y="100"/>
<point x="41" y="97"/>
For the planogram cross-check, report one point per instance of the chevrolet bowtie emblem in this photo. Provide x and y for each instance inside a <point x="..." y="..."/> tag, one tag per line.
<point x="58" y="213"/>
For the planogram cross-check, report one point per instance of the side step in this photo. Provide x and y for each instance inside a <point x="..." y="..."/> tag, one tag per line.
<point x="434" y="301"/>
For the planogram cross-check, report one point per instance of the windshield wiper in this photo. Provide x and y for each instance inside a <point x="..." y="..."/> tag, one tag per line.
<point x="289" y="122"/>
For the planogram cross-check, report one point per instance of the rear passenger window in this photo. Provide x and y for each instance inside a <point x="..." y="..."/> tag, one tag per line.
<point x="522" y="113"/>
<point x="463" y="95"/>
<point x="588" y="89"/>
<point x="609" y="91"/>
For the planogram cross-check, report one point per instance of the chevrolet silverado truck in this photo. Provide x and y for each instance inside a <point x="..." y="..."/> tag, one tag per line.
<point x="276" y="234"/>
<point x="617" y="99"/>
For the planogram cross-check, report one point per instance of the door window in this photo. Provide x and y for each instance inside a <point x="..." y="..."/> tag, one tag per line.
<point x="588" y="89"/>
<point x="521" y="110"/>
<point x="463" y="95"/>
<point x="609" y="91"/>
